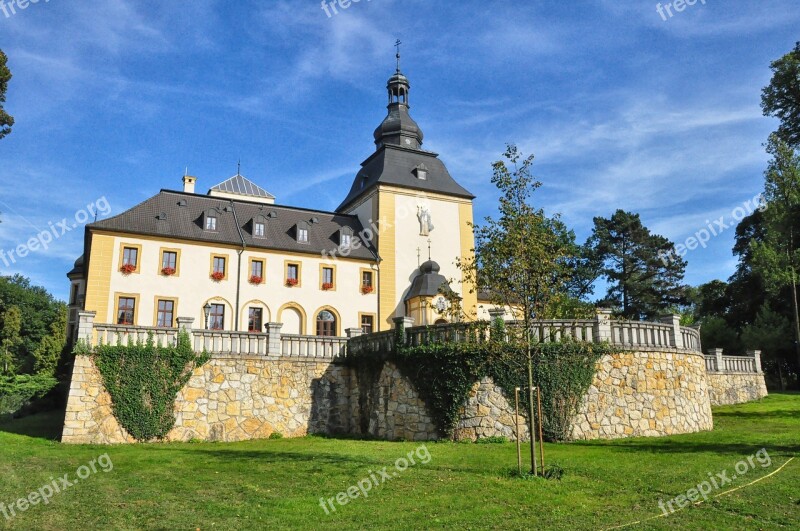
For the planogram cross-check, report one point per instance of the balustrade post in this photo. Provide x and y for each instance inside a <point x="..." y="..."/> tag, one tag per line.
<point x="185" y="323"/>
<point x="274" y="342"/>
<point x="717" y="352"/>
<point x="756" y="355"/>
<point x="86" y="327"/>
<point x="602" y="326"/>
<point x="675" y="335"/>
<point x="405" y="323"/>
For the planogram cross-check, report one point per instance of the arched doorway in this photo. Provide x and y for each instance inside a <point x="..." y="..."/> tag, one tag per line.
<point x="326" y="324"/>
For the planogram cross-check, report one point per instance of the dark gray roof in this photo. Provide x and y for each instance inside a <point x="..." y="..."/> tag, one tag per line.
<point x="77" y="269"/>
<point x="180" y="215"/>
<point x="395" y="165"/>
<point x="242" y="186"/>
<point x="428" y="283"/>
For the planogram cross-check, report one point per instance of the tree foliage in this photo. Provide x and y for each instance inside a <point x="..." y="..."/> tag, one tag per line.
<point x="781" y="98"/>
<point x="10" y="339"/>
<point x="6" y="120"/>
<point x="39" y="311"/>
<point x="522" y="259"/>
<point x="776" y="257"/>
<point x="644" y="273"/>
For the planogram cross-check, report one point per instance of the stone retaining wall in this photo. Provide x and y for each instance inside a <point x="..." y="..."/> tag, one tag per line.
<point x="735" y="388"/>
<point x="225" y="400"/>
<point x="647" y="394"/>
<point x="644" y="393"/>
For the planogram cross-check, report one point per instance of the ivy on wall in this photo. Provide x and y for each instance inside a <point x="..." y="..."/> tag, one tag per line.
<point x="144" y="379"/>
<point x="444" y="373"/>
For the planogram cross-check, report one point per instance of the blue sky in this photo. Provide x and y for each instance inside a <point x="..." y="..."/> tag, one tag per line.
<point x="622" y="109"/>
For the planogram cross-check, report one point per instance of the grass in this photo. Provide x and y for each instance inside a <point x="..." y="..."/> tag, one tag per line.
<point x="278" y="483"/>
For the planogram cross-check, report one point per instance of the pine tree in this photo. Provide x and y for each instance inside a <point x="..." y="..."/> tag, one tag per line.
<point x="644" y="273"/>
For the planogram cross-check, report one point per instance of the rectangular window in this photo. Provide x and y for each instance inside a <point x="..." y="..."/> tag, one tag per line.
<point x="216" y="317"/>
<point x="126" y="310"/>
<point x="327" y="275"/>
<point x="259" y="230"/>
<point x="169" y="260"/>
<point x="211" y="223"/>
<point x="255" y="321"/>
<point x="219" y="265"/>
<point x="366" y="279"/>
<point x="302" y="235"/>
<point x="292" y="272"/>
<point x="73" y="294"/>
<point x="347" y="240"/>
<point x="166" y="314"/>
<point x="257" y="269"/>
<point x="367" y="324"/>
<point x="130" y="256"/>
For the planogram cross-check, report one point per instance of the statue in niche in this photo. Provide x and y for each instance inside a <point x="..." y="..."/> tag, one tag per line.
<point x="425" y="221"/>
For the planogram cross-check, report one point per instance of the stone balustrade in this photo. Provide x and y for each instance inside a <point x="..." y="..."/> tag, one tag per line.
<point x="717" y="362"/>
<point x="219" y="343"/>
<point x="627" y="335"/>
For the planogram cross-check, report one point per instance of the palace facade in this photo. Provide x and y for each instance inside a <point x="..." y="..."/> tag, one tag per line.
<point x="233" y="259"/>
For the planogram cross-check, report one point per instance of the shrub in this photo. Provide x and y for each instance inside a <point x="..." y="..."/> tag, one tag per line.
<point x="17" y="391"/>
<point x="276" y="435"/>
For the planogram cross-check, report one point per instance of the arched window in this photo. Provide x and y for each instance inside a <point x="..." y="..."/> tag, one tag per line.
<point x="326" y="324"/>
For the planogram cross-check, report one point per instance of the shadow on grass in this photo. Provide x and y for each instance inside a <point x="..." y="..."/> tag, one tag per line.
<point x="39" y="426"/>
<point x="760" y="415"/>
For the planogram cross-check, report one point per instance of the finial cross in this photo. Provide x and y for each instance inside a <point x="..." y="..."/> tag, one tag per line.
<point x="397" y="44"/>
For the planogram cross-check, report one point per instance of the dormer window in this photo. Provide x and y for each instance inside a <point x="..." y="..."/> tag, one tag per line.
<point x="259" y="227"/>
<point x="421" y="172"/>
<point x="302" y="232"/>
<point x="211" y="219"/>
<point x="345" y="237"/>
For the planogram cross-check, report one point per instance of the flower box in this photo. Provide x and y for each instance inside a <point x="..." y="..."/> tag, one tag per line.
<point x="216" y="276"/>
<point x="327" y="285"/>
<point x="168" y="271"/>
<point x="291" y="282"/>
<point x="367" y="289"/>
<point x="127" y="269"/>
<point x="255" y="279"/>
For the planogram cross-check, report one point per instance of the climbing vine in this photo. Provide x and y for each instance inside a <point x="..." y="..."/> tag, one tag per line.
<point x="444" y="372"/>
<point x="144" y="379"/>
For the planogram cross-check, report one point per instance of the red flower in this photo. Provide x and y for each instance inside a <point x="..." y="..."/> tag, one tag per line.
<point x="327" y="285"/>
<point x="168" y="271"/>
<point x="217" y="276"/>
<point x="366" y="289"/>
<point x="255" y="279"/>
<point x="127" y="269"/>
<point x="291" y="282"/>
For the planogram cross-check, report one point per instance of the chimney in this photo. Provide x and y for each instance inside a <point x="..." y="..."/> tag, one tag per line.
<point x="188" y="184"/>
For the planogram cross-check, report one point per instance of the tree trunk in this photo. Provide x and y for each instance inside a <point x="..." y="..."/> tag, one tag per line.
<point x="796" y="317"/>
<point x="531" y="418"/>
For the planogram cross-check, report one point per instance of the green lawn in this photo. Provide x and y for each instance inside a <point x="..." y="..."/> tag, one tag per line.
<point x="278" y="483"/>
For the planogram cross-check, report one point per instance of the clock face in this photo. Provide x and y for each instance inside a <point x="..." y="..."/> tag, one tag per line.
<point x="408" y="141"/>
<point x="441" y="304"/>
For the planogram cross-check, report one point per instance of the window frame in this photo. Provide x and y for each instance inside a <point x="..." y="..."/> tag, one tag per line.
<point x="212" y="270"/>
<point x="322" y="268"/>
<point x="211" y="315"/>
<point x="157" y="311"/>
<point x="373" y="318"/>
<point x="118" y="297"/>
<point x="162" y="252"/>
<point x="299" y="265"/>
<point x="260" y="328"/>
<point x="123" y="246"/>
